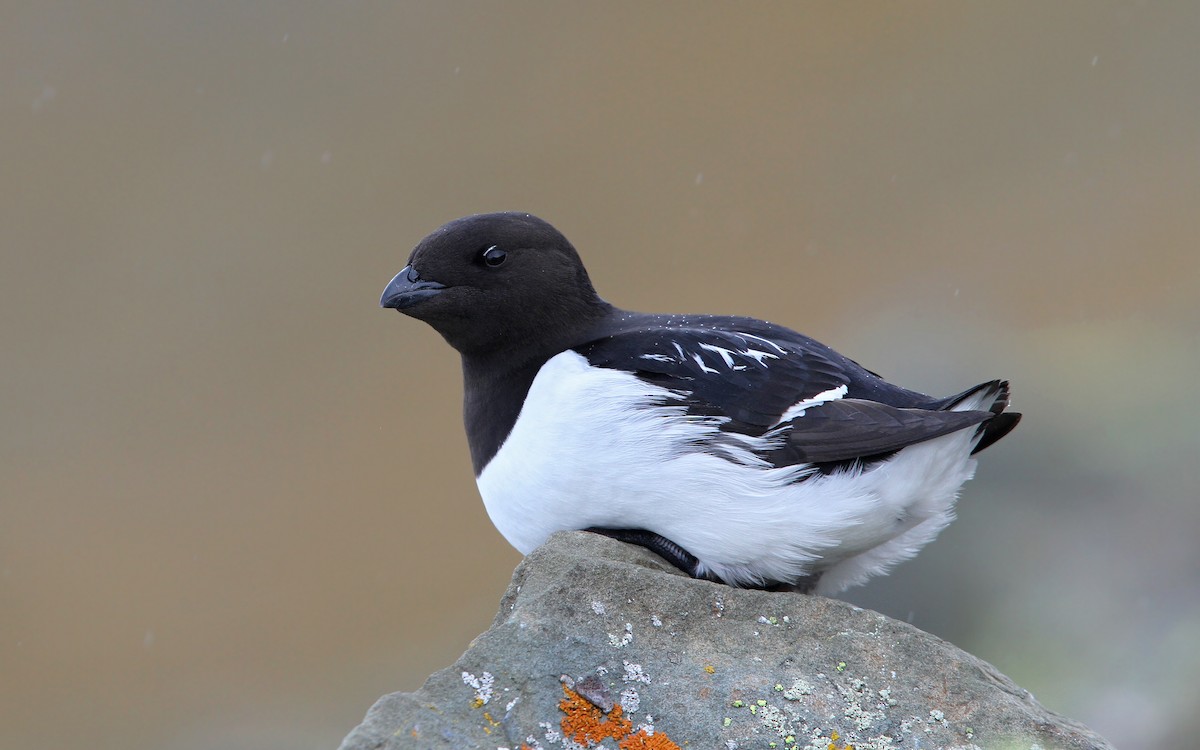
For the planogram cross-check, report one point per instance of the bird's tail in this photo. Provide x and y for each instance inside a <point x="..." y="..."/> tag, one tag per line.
<point x="990" y="396"/>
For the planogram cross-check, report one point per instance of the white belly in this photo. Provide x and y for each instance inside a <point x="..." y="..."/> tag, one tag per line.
<point x="599" y="447"/>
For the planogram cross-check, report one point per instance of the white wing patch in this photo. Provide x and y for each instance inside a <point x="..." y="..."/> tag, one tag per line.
<point x="728" y="357"/>
<point x="797" y="409"/>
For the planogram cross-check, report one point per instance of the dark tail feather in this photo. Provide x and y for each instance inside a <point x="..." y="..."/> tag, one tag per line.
<point x="994" y="428"/>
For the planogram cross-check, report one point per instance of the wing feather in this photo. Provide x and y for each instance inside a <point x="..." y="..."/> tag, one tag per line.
<point x="752" y="373"/>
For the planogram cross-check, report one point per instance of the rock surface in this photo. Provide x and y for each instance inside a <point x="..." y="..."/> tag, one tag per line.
<point x="659" y="661"/>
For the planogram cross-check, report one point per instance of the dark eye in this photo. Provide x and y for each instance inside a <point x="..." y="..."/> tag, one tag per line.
<point x="493" y="256"/>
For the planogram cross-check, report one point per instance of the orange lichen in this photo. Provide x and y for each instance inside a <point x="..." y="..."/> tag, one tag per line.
<point x="642" y="741"/>
<point x="586" y="724"/>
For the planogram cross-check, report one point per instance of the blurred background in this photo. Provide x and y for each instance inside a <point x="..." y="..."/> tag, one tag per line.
<point x="236" y="505"/>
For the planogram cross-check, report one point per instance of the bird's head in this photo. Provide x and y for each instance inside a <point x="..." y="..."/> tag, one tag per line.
<point x="494" y="281"/>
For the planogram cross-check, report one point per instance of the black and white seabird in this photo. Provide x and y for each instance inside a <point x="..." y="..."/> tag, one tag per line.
<point x="739" y="450"/>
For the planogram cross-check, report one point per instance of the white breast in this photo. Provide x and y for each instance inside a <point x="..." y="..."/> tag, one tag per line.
<point x="599" y="447"/>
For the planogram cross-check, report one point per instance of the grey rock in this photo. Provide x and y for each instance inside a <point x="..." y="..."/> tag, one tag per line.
<point x="703" y="666"/>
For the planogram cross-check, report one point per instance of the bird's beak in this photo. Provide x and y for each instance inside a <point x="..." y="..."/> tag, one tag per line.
<point x="407" y="289"/>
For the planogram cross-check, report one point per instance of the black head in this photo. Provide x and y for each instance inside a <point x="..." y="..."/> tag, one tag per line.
<point x="499" y="281"/>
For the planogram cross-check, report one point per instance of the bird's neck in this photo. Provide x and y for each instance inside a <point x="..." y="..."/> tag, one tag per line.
<point x="492" y="400"/>
<point x="496" y="381"/>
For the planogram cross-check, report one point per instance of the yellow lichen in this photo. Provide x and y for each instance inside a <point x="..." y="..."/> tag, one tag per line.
<point x="709" y="668"/>
<point x="833" y="738"/>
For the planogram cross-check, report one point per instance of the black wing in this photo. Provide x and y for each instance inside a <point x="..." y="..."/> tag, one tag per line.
<point x="753" y="372"/>
<point x="852" y="429"/>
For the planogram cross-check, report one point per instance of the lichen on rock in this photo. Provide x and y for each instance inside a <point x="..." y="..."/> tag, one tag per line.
<point x="701" y="665"/>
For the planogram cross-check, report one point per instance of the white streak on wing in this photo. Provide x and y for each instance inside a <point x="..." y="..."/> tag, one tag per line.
<point x="726" y="354"/>
<point x="798" y="409"/>
<point x="759" y="356"/>
<point x="703" y="367"/>
<point x="658" y="357"/>
<point x="768" y="342"/>
<point x="678" y="348"/>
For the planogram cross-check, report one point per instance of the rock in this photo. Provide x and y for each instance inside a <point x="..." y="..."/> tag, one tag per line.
<point x="599" y="641"/>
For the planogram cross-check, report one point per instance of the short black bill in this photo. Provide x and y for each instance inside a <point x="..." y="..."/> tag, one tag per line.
<point x="407" y="288"/>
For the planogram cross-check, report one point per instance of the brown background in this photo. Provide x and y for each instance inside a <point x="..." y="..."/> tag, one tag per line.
<point x="235" y="499"/>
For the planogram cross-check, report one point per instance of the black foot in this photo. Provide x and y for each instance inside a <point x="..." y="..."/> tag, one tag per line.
<point x="659" y="545"/>
<point x="687" y="562"/>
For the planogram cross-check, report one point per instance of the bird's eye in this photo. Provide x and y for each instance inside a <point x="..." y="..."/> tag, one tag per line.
<point x="493" y="255"/>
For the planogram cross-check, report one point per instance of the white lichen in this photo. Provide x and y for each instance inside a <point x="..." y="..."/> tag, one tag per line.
<point x="555" y="737"/>
<point x="630" y="700"/>
<point x="853" y="695"/>
<point x="798" y="690"/>
<point x="623" y="640"/>
<point x="482" y="685"/>
<point x="776" y="720"/>
<point x="647" y="728"/>
<point x="635" y="673"/>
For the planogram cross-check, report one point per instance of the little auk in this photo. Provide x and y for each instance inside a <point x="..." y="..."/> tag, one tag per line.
<point x="738" y="450"/>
